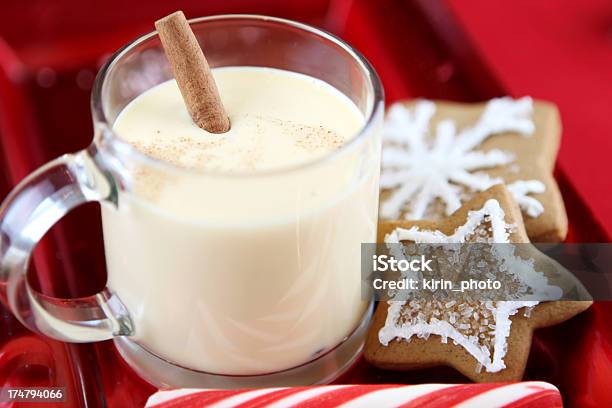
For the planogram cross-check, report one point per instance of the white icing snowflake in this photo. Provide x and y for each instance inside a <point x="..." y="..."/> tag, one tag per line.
<point x="420" y="170"/>
<point x="450" y="320"/>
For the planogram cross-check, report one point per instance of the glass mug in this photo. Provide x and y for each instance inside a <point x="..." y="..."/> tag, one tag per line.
<point x="237" y="290"/>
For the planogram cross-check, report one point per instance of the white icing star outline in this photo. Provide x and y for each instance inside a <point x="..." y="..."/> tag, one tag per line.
<point x="491" y="360"/>
<point x="419" y="170"/>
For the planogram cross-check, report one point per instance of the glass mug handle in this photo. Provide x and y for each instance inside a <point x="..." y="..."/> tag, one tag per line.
<point x="28" y="212"/>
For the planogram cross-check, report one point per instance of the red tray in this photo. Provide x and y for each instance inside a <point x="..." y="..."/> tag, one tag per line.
<point x="419" y="49"/>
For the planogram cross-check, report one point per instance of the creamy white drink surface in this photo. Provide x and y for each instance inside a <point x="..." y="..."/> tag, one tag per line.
<point x="238" y="260"/>
<point x="278" y="119"/>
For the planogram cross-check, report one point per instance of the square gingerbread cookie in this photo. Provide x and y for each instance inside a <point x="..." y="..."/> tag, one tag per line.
<point x="438" y="155"/>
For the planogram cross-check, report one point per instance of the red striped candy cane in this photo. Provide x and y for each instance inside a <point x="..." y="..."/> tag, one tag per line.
<point x="509" y="395"/>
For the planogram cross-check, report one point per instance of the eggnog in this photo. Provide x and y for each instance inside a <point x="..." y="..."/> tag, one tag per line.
<point x="240" y="253"/>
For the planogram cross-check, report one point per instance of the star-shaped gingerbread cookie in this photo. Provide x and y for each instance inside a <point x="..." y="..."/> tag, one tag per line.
<point x="486" y="340"/>
<point x="438" y="155"/>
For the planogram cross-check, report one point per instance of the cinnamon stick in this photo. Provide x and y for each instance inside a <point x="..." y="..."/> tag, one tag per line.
<point x="192" y="73"/>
